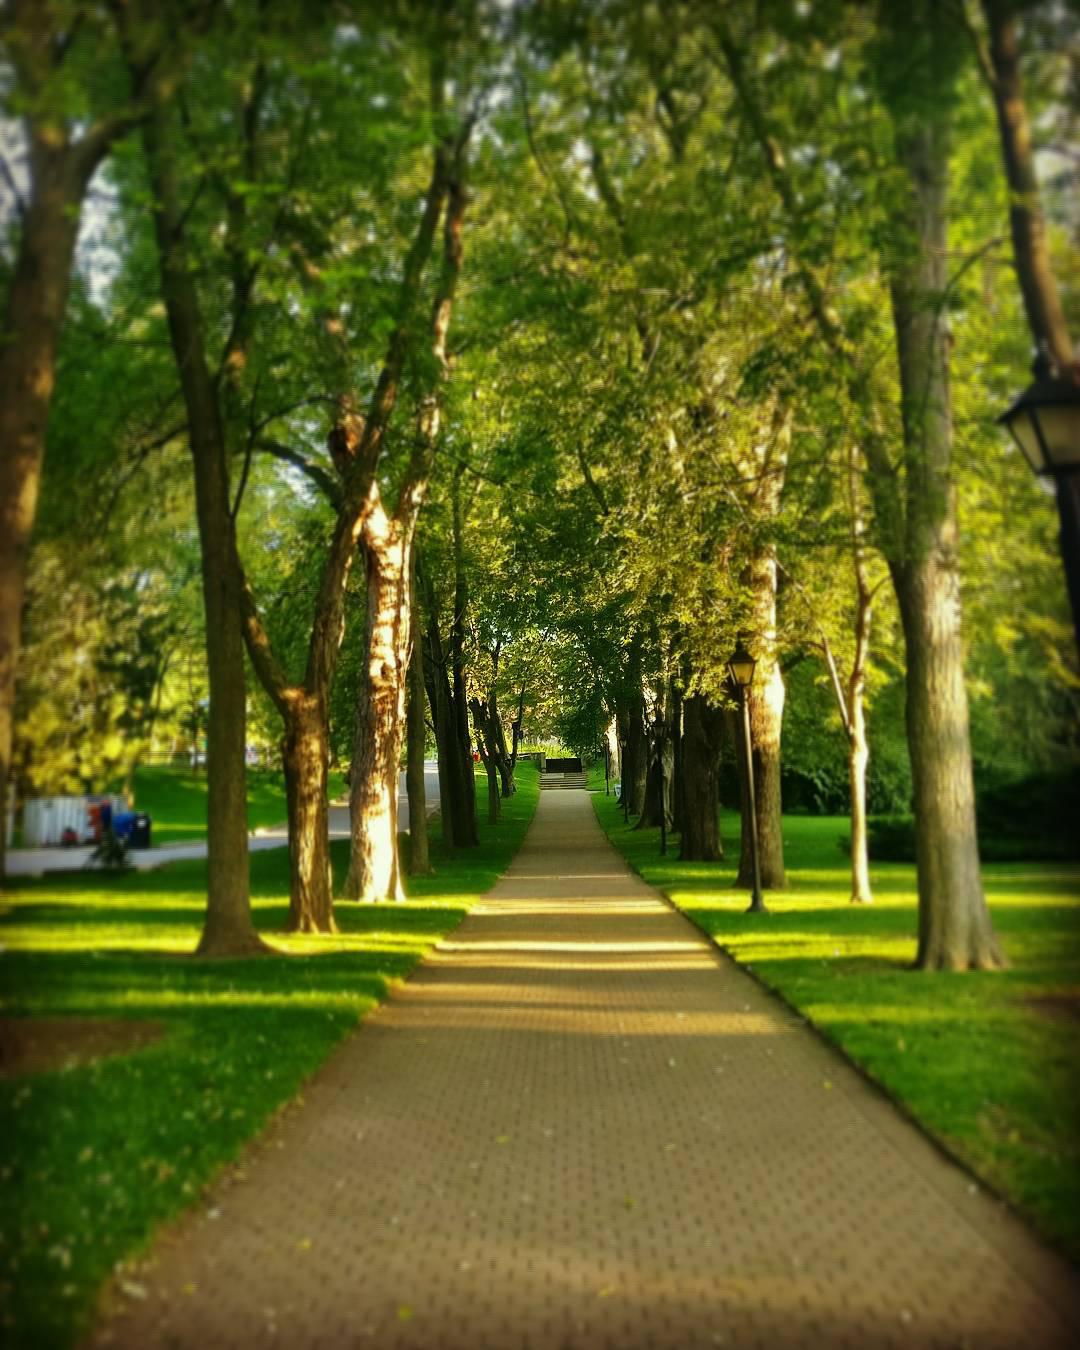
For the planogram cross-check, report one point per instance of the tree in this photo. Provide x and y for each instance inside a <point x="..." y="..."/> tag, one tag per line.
<point x="67" y="138"/>
<point x="388" y="554"/>
<point x="914" y="512"/>
<point x="228" y="927"/>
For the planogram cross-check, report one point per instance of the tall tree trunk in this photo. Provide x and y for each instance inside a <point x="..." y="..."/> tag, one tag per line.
<point x="635" y="757"/>
<point x="39" y="39"/>
<point x="485" y="743"/>
<point x="416" y="732"/>
<point x="228" y="928"/>
<point x="906" y="505"/>
<point x="374" y="871"/>
<point x="858" y="744"/>
<point x="305" y="753"/>
<point x="32" y="322"/>
<point x="468" y="837"/>
<point x="703" y="726"/>
<point x="438" y="691"/>
<point x="858" y="760"/>
<point x="766" y="723"/>
<point x="503" y="758"/>
<point x="678" y="773"/>
<point x="955" y="932"/>
<point x="658" y="802"/>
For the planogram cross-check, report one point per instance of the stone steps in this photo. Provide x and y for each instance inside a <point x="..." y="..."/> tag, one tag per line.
<point x="555" y="781"/>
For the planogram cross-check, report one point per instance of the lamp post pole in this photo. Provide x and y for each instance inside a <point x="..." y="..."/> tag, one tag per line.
<point x="1067" y="491"/>
<point x="757" y="905"/>
<point x="741" y="667"/>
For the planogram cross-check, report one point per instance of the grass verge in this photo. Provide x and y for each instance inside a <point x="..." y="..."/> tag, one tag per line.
<point x="97" y="1155"/>
<point x="987" y="1063"/>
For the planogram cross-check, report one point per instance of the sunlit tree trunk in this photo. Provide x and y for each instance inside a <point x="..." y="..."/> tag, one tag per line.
<point x="955" y="932"/>
<point x="766" y="723"/>
<point x="306" y="757"/>
<point x="374" y="871"/>
<point x="858" y="743"/>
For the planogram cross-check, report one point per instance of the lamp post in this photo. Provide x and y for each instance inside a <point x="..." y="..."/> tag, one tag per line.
<point x="1045" y="424"/>
<point x="741" y="667"/>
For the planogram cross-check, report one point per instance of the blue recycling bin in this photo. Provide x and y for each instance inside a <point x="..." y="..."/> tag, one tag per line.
<point x="123" y="822"/>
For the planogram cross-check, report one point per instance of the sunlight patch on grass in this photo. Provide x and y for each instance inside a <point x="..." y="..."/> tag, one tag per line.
<point x="99" y="1154"/>
<point x="982" y="1060"/>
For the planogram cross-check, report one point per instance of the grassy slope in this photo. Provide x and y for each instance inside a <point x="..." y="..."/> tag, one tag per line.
<point x="175" y="797"/>
<point x="97" y="1156"/>
<point x="969" y="1056"/>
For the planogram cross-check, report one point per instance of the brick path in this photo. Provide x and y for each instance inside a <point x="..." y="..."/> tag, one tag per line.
<point x="577" y="1126"/>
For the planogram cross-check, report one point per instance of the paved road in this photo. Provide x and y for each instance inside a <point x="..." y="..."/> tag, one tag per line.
<point x="579" y="1126"/>
<point x="32" y="861"/>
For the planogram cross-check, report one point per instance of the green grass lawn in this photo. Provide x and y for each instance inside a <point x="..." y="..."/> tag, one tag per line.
<point x="988" y="1063"/>
<point x="97" y="1156"/>
<point x="175" y="797"/>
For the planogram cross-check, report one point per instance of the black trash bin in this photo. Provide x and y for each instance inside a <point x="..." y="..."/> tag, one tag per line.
<point x="140" y="831"/>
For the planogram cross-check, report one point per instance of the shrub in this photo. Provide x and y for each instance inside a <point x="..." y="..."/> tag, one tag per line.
<point x="1031" y="820"/>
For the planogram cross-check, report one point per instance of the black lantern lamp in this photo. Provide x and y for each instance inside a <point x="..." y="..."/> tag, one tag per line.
<point x="741" y="668"/>
<point x="742" y="665"/>
<point x="1045" y="424"/>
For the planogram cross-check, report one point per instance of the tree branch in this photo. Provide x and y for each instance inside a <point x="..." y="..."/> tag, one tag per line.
<point x="323" y="479"/>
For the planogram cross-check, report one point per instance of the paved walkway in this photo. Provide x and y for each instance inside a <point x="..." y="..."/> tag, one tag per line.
<point x="578" y="1126"/>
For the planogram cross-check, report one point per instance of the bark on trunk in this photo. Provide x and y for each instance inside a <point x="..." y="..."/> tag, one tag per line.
<point x="438" y="691"/>
<point x="955" y="932"/>
<point x="32" y="322"/>
<point x="659" y="781"/>
<point x="305" y="752"/>
<point x="635" y="758"/>
<point x="678" y="788"/>
<point x="468" y="838"/>
<point x="485" y="743"/>
<point x="858" y="759"/>
<point x="702" y="733"/>
<point x="416" y="730"/>
<point x="228" y="928"/>
<point x="766" y="723"/>
<point x="858" y="744"/>
<point x="766" y="716"/>
<point x="374" y="871"/>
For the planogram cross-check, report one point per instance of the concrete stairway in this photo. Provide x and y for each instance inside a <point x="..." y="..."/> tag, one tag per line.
<point x="551" y="781"/>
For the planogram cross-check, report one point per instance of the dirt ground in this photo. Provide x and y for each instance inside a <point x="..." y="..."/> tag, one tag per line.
<point x="40" y="1044"/>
